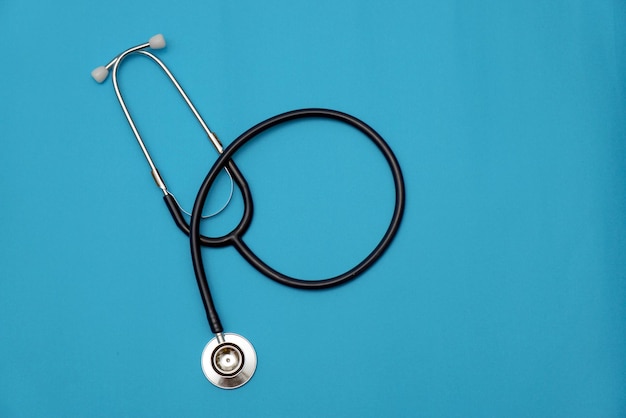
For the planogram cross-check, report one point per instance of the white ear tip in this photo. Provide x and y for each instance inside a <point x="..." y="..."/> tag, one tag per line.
<point x="157" y="42"/>
<point x="100" y="74"/>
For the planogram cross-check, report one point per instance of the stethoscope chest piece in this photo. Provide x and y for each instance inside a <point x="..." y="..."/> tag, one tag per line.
<point x="228" y="361"/>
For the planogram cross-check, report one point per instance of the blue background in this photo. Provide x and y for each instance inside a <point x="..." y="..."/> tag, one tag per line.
<point x="504" y="294"/>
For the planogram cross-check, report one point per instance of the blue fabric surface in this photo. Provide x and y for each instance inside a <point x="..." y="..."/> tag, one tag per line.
<point x="504" y="294"/>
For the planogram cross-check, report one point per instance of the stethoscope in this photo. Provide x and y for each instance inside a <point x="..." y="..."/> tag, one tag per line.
<point x="229" y="360"/>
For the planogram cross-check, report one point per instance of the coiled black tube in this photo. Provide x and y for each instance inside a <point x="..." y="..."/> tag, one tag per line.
<point x="235" y="237"/>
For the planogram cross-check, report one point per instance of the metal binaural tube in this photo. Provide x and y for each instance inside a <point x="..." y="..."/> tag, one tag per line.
<point x="115" y="63"/>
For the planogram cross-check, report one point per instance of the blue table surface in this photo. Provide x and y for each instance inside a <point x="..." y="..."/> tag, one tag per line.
<point x="503" y="295"/>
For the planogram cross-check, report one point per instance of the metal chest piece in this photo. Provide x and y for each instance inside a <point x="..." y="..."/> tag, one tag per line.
<point x="228" y="361"/>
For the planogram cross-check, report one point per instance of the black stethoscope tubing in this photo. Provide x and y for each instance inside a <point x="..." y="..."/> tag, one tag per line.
<point x="235" y="237"/>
